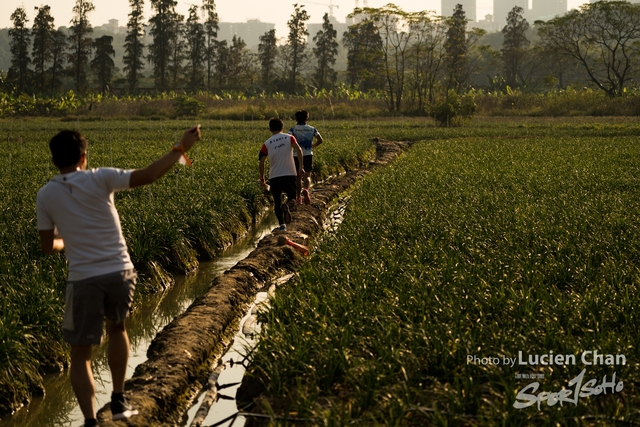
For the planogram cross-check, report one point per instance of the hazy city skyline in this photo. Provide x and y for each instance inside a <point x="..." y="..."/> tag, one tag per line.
<point x="277" y="12"/>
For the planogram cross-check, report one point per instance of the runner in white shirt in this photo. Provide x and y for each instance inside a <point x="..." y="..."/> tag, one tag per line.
<point x="77" y="214"/>
<point x="282" y="170"/>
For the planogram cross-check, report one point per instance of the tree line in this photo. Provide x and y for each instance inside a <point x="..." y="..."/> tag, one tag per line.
<point x="412" y="58"/>
<point x="185" y="54"/>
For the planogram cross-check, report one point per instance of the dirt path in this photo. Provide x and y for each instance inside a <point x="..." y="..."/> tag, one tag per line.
<point x="184" y="353"/>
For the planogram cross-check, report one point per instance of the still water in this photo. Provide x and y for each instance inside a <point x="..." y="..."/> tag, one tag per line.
<point x="59" y="408"/>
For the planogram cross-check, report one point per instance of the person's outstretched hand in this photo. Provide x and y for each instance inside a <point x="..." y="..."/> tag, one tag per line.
<point x="190" y="137"/>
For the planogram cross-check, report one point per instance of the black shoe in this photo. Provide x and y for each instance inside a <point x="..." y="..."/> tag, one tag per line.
<point x="121" y="410"/>
<point x="286" y="213"/>
<point x="91" y="423"/>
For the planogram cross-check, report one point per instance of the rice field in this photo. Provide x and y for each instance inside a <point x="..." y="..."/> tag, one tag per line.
<point x="487" y="277"/>
<point x="189" y="214"/>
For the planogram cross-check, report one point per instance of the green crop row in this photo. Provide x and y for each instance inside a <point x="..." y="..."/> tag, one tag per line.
<point x="189" y="214"/>
<point x="524" y="240"/>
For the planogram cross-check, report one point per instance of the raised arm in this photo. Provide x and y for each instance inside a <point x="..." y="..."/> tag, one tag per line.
<point x="161" y="166"/>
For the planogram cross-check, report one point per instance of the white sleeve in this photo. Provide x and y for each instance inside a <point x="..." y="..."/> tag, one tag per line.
<point x="44" y="220"/>
<point x="114" y="179"/>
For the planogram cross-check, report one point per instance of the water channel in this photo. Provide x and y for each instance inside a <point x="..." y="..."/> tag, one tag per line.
<point x="216" y="406"/>
<point x="59" y="407"/>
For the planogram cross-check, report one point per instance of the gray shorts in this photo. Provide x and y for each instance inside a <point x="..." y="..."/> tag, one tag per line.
<point x="87" y="302"/>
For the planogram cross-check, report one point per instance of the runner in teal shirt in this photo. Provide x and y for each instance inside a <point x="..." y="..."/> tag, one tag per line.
<point x="305" y="135"/>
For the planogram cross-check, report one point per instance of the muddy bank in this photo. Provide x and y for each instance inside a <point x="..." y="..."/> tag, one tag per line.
<point x="184" y="353"/>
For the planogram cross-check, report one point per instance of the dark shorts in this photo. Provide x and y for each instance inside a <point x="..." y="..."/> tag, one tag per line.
<point x="307" y="162"/>
<point x="89" y="301"/>
<point x="279" y="186"/>
<point x="283" y="185"/>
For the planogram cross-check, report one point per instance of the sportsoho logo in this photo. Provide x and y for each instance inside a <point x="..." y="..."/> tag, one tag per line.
<point x="577" y="387"/>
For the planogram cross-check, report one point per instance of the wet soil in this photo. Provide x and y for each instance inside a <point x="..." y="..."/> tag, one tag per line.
<point x="186" y="351"/>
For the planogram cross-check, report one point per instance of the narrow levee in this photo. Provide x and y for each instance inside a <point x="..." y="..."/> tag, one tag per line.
<point x="168" y="386"/>
<point x="183" y="355"/>
<point x="216" y="405"/>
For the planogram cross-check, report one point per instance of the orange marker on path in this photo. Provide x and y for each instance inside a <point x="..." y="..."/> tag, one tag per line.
<point x="282" y="240"/>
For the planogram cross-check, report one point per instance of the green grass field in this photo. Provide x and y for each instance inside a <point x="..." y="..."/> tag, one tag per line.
<point x="189" y="214"/>
<point x="490" y="240"/>
<point x="506" y="235"/>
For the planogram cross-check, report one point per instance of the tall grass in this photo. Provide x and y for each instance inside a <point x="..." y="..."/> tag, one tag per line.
<point x="468" y="245"/>
<point x="569" y="102"/>
<point x="189" y="214"/>
<point x="343" y="104"/>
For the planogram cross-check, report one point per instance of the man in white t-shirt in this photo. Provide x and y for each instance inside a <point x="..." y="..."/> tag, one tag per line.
<point x="77" y="214"/>
<point x="282" y="169"/>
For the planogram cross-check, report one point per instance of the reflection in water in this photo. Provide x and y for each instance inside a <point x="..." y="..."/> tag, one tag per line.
<point x="39" y="412"/>
<point x="235" y="364"/>
<point x="224" y="411"/>
<point x="59" y="407"/>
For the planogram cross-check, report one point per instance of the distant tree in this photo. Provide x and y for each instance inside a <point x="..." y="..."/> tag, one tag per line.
<point x="456" y="48"/>
<point x="393" y="27"/>
<point x="426" y="56"/>
<point x="365" y="64"/>
<point x="133" y="45"/>
<point x="234" y="65"/>
<point x="163" y="31"/>
<point x="554" y="69"/>
<point x="602" y="37"/>
<point x="250" y="69"/>
<point x="18" y="74"/>
<point x="178" y="47"/>
<point x="80" y="43"/>
<point x="236" y="74"/>
<point x="515" y="48"/>
<point x="196" y="45"/>
<point x="282" y="81"/>
<point x="102" y="63"/>
<point x="211" y="28"/>
<point x="221" y="63"/>
<point x="297" y="44"/>
<point x="267" y="56"/>
<point x="58" y="59"/>
<point x="459" y="43"/>
<point x="325" y="52"/>
<point x="42" y="32"/>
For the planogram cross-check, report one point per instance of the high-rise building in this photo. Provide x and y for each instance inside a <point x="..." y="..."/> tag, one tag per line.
<point x="501" y="9"/>
<point x="486" y="24"/>
<point x="112" y="27"/>
<point x="543" y="10"/>
<point x="313" y="29"/>
<point x="469" y="7"/>
<point x="249" y="31"/>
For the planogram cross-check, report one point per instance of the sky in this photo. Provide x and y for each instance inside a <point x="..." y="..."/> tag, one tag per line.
<point x="272" y="11"/>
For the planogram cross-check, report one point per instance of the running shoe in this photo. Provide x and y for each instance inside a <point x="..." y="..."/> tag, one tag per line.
<point x="121" y="410"/>
<point x="305" y="196"/>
